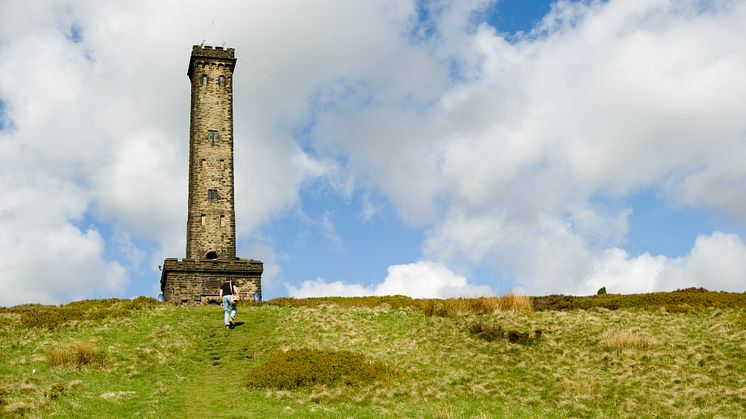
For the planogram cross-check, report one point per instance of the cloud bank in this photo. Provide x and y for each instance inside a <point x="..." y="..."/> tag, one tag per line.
<point x="513" y="153"/>
<point x="422" y="279"/>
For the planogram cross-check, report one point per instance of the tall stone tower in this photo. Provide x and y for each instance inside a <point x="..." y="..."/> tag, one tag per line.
<point x="211" y="229"/>
<point x="211" y="226"/>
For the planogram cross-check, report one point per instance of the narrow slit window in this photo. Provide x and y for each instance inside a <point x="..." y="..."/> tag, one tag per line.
<point x="212" y="194"/>
<point x="222" y="164"/>
<point x="212" y="136"/>
<point x="221" y="81"/>
<point x="202" y="218"/>
<point x="204" y="80"/>
<point x="204" y="163"/>
<point x="222" y="221"/>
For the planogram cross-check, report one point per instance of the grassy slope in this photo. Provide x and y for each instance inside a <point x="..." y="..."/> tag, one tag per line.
<point x="179" y="362"/>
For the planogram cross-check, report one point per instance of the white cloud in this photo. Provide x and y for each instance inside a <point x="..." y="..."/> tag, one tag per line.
<point x="321" y="288"/>
<point x="46" y="259"/>
<point x="422" y="279"/>
<point x="507" y="165"/>
<point x="717" y="261"/>
<point x="498" y="149"/>
<point x="427" y="279"/>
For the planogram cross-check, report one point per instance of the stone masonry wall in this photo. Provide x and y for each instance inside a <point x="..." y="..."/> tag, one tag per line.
<point x="211" y="223"/>
<point x="191" y="282"/>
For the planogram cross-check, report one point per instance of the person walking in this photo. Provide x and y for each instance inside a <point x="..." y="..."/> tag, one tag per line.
<point x="229" y="306"/>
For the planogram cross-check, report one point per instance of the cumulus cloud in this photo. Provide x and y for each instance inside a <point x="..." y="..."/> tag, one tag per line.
<point x="45" y="258"/>
<point x="509" y="163"/>
<point x="423" y="279"/>
<point x="716" y="261"/>
<point x="514" y="153"/>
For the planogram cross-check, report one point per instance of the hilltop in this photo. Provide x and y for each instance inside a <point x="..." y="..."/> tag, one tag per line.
<point x="668" y="354"/>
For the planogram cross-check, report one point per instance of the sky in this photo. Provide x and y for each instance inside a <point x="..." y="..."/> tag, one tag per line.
<point x="425" y="148"/>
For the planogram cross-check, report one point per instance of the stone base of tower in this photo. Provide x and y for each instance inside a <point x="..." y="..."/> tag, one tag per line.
<point x="196" y="282"/>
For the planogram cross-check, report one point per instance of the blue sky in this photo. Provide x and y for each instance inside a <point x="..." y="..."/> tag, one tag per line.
<point x="426" y="148"/>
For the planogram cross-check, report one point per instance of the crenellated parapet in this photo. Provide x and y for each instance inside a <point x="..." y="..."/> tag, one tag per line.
<point x="203" y="54"/>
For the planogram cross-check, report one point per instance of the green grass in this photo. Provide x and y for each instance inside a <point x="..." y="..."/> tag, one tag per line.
<point x="114" y="358"/>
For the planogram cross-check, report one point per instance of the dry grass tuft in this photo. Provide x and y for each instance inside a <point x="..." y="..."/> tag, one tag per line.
<point x="516" y="303"/>
<point x="80" y="354"/>
<point x="18" y="408"/>
<point x="619" y="340"/>
<point x="454" y="307"/>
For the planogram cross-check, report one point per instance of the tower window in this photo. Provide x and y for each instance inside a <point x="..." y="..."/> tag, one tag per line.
<point x="204" y="79"/>
<point x="221" y="81"/>
<point x="222" y="164"/>
<point x="222" y="221"/>
<point x="212" y="195"/>
<point x="202" y="218"/>
<point x="212" y="136"/>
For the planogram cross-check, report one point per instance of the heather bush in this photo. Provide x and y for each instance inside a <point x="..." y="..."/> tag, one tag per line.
<point x="488" y="332"/>
<point x="685" y="300"/>
<point x="492" y="332"/>
<point x="310" y="367"/>
<point x="54" y="391"/>
<point x="53" y="317"/>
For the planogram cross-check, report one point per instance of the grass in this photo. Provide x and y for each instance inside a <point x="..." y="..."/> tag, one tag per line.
<point x="79" y="355"/>
<point x="619" y="340"/>
<point x="161" y="360"/>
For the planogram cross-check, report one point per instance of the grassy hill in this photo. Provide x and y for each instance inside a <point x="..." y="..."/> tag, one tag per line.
<point x="667" y="354"/>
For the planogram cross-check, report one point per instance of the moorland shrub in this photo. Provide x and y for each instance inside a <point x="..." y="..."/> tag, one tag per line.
<point x="309" y="367"/>
<point x="685" y="300"/>
<point x="54" y="391"/>
<point x="492" y="332"/>
<point x="53" y="317"/>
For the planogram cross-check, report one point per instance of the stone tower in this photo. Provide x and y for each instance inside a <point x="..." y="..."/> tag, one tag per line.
<point x="211" y="227"/>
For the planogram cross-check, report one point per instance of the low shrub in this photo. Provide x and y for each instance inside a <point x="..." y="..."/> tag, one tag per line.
<point x="488" y="332"/>
<point x="685" y="300"/>
<point x="309" y="367"/>
<point x="619" y="340"/>
<point x="492" y="332"/>
<point x="54" y="317"/>
<point x="55" y="391"/>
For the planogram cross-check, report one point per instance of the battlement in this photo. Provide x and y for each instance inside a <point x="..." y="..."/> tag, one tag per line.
<point x="215" y="52"/>
<point x="205" y="53"/>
